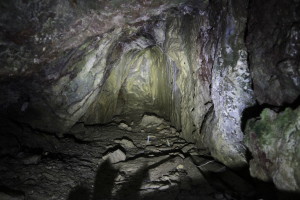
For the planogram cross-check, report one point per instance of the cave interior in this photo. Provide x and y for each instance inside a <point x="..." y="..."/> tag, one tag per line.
<point x="149" y="99"/>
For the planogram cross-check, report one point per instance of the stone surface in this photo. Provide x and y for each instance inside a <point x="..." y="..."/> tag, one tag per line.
<point x="60" y="50"/>
<point x="115" y="156"/>
<point x="144" y="64"/>
<point x="126" y="143"/>
<point x="91" y="62"/>
<point x="274" y="50"/>
<point x="76" y="165"/>
<point x="231" y="89"/>
<point x="148" y="121"/>
<point x="124" y="127"/>
<point x="273" y="141"/>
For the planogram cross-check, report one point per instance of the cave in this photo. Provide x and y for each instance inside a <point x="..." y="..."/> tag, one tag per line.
<point x="149" y="99"/>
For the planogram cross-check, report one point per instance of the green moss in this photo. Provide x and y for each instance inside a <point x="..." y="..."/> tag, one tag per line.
<point x="271" y="124"/>
<point x="286" y="118"/>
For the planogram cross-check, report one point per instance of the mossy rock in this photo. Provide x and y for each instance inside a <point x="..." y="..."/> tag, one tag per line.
<point x="273" y="139"/>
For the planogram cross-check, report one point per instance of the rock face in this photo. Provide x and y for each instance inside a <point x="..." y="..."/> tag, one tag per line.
<point x="64" y="62"/>
<point x="149" y="120"/>
<point x="231" y="89"/>
<point x="274" y="48"/>
<point x="55" y="55"/>
<point x="274" y="143"/>
<point x="273" y="43"/>
<point x="115" y="156"/>
<point x="92" y="61"/>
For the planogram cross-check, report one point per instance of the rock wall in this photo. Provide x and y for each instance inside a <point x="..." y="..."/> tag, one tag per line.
<point x="52" y="62"/>
<point x="274" y="46"/>
<point x="274" y="143"/>
<point x="274" y="56"/>
<point x="138" y="84"/>
<point x="187" y="64"/>
<point x="231" y="86"/>
<point x="198" y="68"/>
<point x="69" y="61"/>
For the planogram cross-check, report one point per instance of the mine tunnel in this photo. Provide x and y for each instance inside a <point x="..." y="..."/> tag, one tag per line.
<point x="149" y="99"/>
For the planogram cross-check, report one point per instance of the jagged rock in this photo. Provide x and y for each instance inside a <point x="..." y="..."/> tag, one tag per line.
<point x="156" y="185"/>
<point x="274" y="61"/>
<point x="177" y="154"/>
<point x="132" y="166"/>
<point x="273" y="141"/>
<point x="124" y="127"/>
<point x="164" y="168"/>
<point x="126" y="143"/>
<point x="187" y="148"/>
<point x="164" y="187"/>
<point x="115" y="156"/>
<point x="163" y="126"/>
<point x="164" y="131"/>
<point x="151" y="121"/>
<point x="231" y="92"/>
<point x="211" y="166"/>
<point x="180" y="167"/>
<point x="172" y="177"/>
<point x="173" y="130"/>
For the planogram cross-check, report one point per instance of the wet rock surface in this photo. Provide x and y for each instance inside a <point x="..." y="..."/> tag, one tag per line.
<point x="163" y="166"/>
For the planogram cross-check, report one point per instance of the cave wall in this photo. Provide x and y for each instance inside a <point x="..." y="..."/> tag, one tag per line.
<point x="231" y="86"/>
<point x="139" y="83"/>
<point x="193" y="63"/>
<point x="273" y="44"/>
<point x="52" y="51"/>
<point x="215" y="83"/>
<point x="187" y="64"/>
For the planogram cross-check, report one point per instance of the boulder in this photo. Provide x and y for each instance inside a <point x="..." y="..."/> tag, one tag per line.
<point x="115" y="156"/>
<point x="274" y="142"/>
<point x="151" y="120"/>
<point x="126" y="143"/>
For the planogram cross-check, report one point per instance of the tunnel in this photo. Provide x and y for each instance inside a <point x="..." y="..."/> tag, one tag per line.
<point x="149" y="99"/>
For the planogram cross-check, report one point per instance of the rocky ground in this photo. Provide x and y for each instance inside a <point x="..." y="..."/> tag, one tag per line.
<point x="145" y="160"/>
<point x="118" y="161"/>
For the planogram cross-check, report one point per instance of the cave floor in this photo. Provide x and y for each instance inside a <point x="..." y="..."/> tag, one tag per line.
<point x="117" y="161"/>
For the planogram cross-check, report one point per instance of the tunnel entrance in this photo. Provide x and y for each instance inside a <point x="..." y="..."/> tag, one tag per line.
<point x="140" y="82"/>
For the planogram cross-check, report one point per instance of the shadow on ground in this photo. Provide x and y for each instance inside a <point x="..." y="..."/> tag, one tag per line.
<point x="104" y="184"/>
<point x="221" y="182"/>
